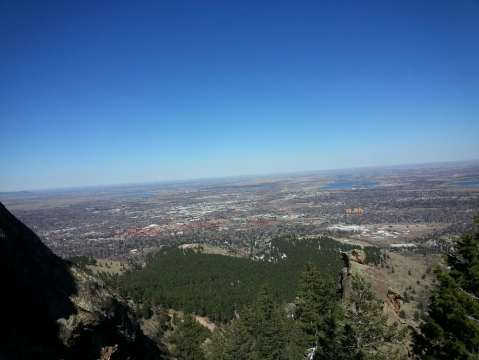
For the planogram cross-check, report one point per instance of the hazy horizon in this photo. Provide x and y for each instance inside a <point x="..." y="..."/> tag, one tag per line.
<point x="327" y="171"/>
<point x="110" y="93"/>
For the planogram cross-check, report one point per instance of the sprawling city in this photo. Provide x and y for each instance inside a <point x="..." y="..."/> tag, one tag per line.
<point x="417" y="207"/>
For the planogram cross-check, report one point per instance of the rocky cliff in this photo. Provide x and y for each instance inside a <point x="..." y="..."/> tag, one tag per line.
<point x="354" y="262"/>
<point x="52" y="310"/>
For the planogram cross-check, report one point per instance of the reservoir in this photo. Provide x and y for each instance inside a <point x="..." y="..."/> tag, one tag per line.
<point x="466" y="183"/>
<point x="348" y="185"/>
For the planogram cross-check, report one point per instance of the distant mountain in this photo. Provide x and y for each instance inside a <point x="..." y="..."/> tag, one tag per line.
<point x="53" y="310"/>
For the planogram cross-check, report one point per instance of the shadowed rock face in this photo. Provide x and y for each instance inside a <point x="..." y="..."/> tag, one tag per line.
<point x="54" y="311"/>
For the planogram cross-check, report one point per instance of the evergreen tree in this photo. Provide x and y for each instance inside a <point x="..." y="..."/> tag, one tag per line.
<point x="188" y="338"/>
<point x="331" y="335"/>
<point x="367" y="335"/>
<point x="216" y="347"/>
<point x="309" y="303"/>
<point x="294" y="344"/>
<point x="451" y="328"/>
<point x="258" y="334"/>
<point x="240" y="337"/>
<point x="270" y="334"/>
<point x="319" y="314"/>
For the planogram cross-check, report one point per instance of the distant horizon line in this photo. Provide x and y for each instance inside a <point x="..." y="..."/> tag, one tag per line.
<point x="206" y="178"/>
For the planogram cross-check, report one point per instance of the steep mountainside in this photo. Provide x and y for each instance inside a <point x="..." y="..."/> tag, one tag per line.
<point x="55" y="311"/>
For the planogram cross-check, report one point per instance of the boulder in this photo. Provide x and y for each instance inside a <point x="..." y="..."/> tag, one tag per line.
<point x="394" y="298"/>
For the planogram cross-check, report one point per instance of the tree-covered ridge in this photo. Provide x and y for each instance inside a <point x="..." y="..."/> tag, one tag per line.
<point x="319" y="326"/>
<point x="216" y="285"/>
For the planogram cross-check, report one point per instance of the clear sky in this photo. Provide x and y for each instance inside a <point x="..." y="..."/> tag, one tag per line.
<point x="98" y="92"/>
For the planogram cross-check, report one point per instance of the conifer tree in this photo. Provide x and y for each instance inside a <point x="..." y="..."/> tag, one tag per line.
<point x="240" y="337"/>
<point x="451" y="328"/>
<point x="367" y="334"/>
<point x="258" y="334"/>
<point x="187" y="338"/>
<point x="270" y="334"/>
<point x="309" y="304"/>
<point x="318" y="313"/>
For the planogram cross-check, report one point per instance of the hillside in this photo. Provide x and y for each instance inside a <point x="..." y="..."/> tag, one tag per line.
<point x="53" y="310"/>
<point x="216" y="285"/>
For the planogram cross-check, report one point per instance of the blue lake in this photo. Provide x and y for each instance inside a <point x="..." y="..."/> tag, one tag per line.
<point x="346" y="185"/>
<point x="466" y="183"/>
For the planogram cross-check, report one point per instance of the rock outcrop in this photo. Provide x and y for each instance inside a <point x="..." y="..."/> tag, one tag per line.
<point x="354" y="263"/>
<point x="351" y="259"/>
<point x="345" y="277"/>
<point x="55" y="311"/>
<point x="358" y="256"/>
<point x="394" y="298"/>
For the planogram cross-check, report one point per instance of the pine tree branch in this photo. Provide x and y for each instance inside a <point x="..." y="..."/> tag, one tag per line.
<point x="468" y="294"/>
<point x="472" y="318"/>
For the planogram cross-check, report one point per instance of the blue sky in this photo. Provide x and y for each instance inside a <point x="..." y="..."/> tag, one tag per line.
<point x="123" y="92"/>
